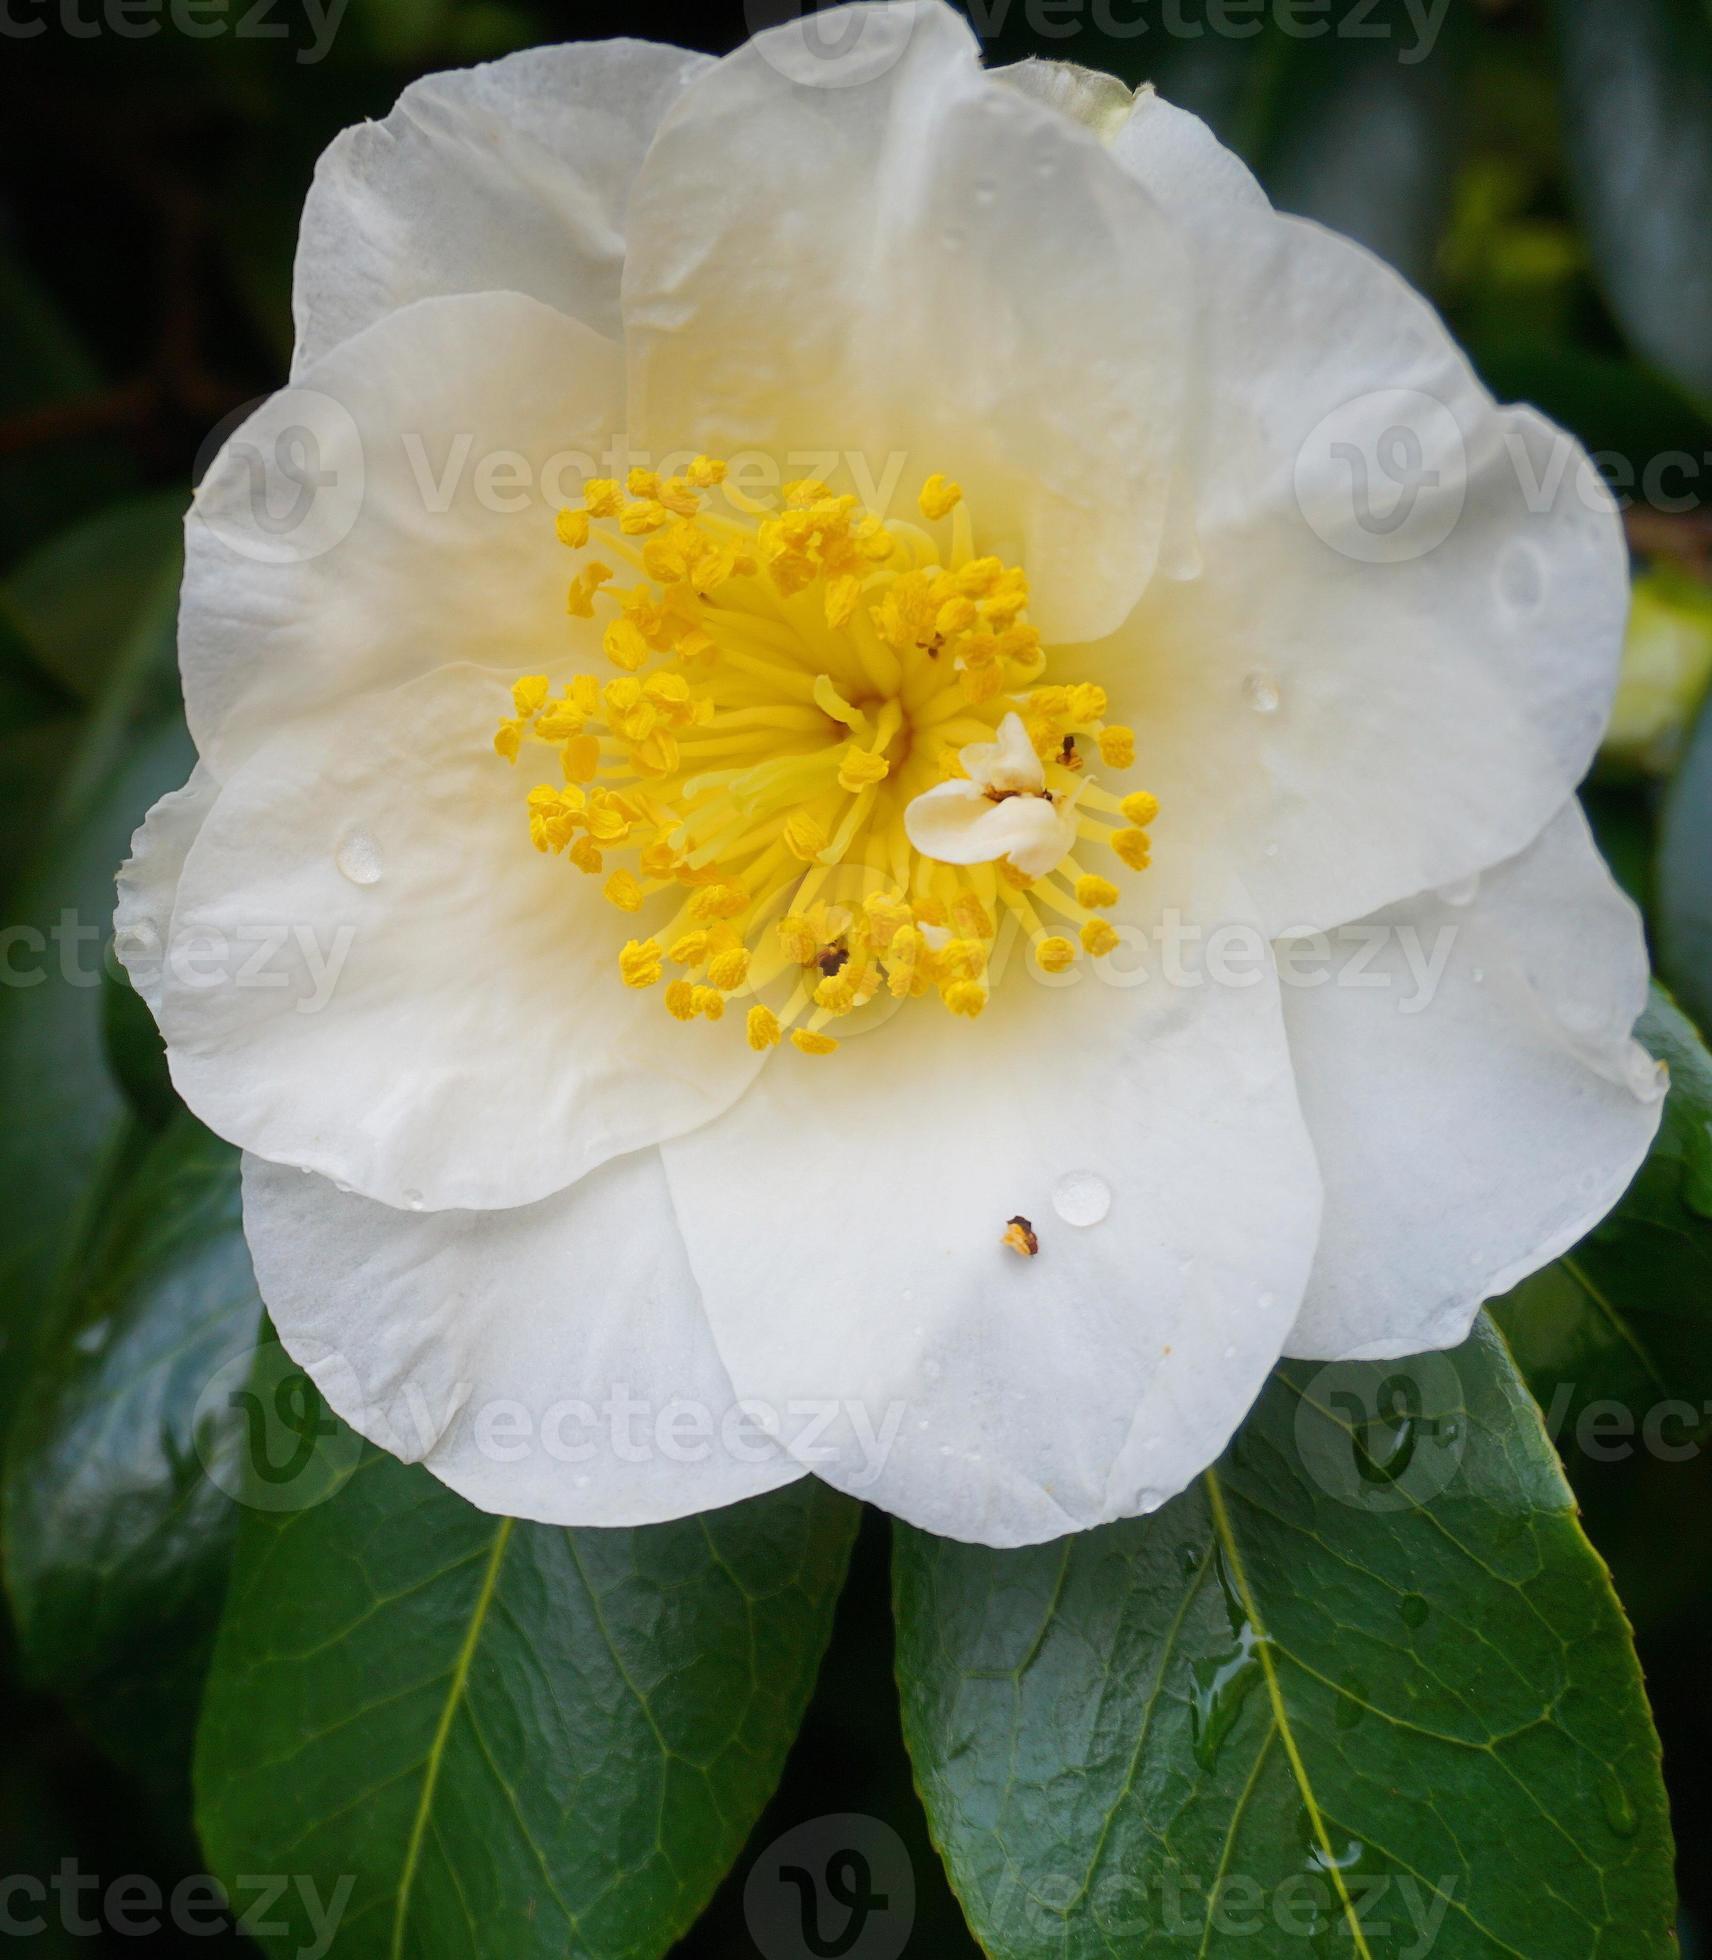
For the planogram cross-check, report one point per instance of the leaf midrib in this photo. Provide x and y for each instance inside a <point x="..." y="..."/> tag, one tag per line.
<point x="442" y="1732"/>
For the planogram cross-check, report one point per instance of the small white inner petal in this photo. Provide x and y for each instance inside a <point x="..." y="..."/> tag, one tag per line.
<point x="959" y="823"/>
<point x="1009" y="763"/>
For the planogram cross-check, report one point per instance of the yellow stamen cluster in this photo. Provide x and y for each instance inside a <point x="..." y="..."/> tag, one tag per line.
<point x="782" y="684"/>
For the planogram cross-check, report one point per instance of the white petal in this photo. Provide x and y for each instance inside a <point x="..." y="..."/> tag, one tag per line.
<point x="147" y="884"/>
<point x="550" y="1362"/>
<point x="391" y="512"/>
<point x="844" y="1223"/>
<point x="1472" y="1129"/>
<point x="513" y="176"/>
<point x="957" y="823"/>
<point x="1180" y="160"/>
<point x="373" y="975"/>
<point x="1008" y="762"/>
<point x="1370" y="690"/>
<point x="848" y="243"/>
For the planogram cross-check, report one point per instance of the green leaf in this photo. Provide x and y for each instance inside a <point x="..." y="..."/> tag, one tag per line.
<point x="80" y="599"/>
<point x="518" y="1740"/>
<point x="69" y="1126"/>
<point x="1684" y="916"/>
<point x="117" y="1538"/>
<point x="1626" y="1318"/>
<point x="1364" y="1684"/>
<point x="1637" y="112"/>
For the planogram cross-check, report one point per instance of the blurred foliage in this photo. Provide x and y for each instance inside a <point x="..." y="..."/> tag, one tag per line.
<point x="1543" y="171"/>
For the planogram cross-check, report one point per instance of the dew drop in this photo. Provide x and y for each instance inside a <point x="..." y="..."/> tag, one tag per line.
<point x="413" y="1200"/>
<point x="1619" y="1811"/>
<point x="1045" y="165"/>
<point x="1081" y="1198"/>
<point x="358" y="858"/>
<point x="342" y="1187"/>
<point x="1230" y="1352"/>
<point x="985" y="190"/>
<point x="1351" y="1704"/>
<point x="1217" y="1690"/>
<point x="1149" y="1502"/>
<point x="1413" y="1609"/>
<point x="1463" y="892"/>
<point x="93" y="1338"/>
<point x="1260" y="691"/>
<point x="1479" y="975"/>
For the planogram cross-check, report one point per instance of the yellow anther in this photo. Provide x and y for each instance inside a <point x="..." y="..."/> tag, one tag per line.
<point x="798" y="939"/>
<point x="1098" y="938"/>
<point x="812" y="1044"/>
<point x="601" y="496"/>
<point x="639" y="962"/>
<point x="971" y="917"/>
<point x="841" y="596"/>
<point x="1133" y="847"/>
<point x="677" y="495"/>
<point x="709" y="1001"/>
<point x="689" y="949"/>
<point x="584" y="855"/>
<point x="1087" y="702"/>
<point x="836" y="993"/>
<point x="508" y="739"/>
<point x="553" y="815"/>
<point x="528" y="693"/>
<point x="762" y="1029"/>
<point x="636" y="520"/>
<point x="622" y="890"/>
<point x="955" y="616"/>
<point x="719" y="902"/>
<point x="860" y="768"/>
<point x="1141" y="807"/>
<point x="1018" y="881"/>
<point x="963" y="958"/>
<point x="625" y="646"/>
<point x="1117" y="747"/>
<point x="727" y="971"/>
<point x="982" y="683"/>
<point x="965" y="997"/>
<point x="643" y="483"/>
<point x="1055" y="954"/>
<point x="804" y="838"/>
<point x="1094" y="892"/>
<point x="573" y="528"/>
<point x="939" y="496"/>
<point x="705" y="472"/>
<point x="680" y="1000"/>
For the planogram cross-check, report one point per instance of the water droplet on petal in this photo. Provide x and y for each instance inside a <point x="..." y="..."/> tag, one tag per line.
<point x="413" y="1199"/>
<point x="1260" y="691"/>
<point x="1081" y="1198"/>
<point x="359" y="858"/>
<point x="1463" y="892"/>
<point x="985" y="190"/>
<point x="1521" y="578"/>
<point x="1149" y="1502"/>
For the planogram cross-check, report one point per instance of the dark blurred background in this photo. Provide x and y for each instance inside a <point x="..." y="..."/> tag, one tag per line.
<point x="1545" y="173"/>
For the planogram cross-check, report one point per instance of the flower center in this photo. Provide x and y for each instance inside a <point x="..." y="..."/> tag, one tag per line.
<point x="834" y="759"/>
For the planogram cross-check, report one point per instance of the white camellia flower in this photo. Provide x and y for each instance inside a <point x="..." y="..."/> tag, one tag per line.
<point x="1056" y="876"/>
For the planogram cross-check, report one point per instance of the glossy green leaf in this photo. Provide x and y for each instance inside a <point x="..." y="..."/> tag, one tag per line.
<point x="518" y="1741"/>
<point x="1619" y="1331"/>
<point x="78" y="599"/>
<point x="1363" y="1690"/>
<point x="1684" y="908"/>
<point x="117" y="1536"/>
<point x="1637" y="112"/>
<point x="68" y="1122"/>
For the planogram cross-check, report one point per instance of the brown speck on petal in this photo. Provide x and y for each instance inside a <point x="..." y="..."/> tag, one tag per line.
<point x="1020" y="1236"/>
